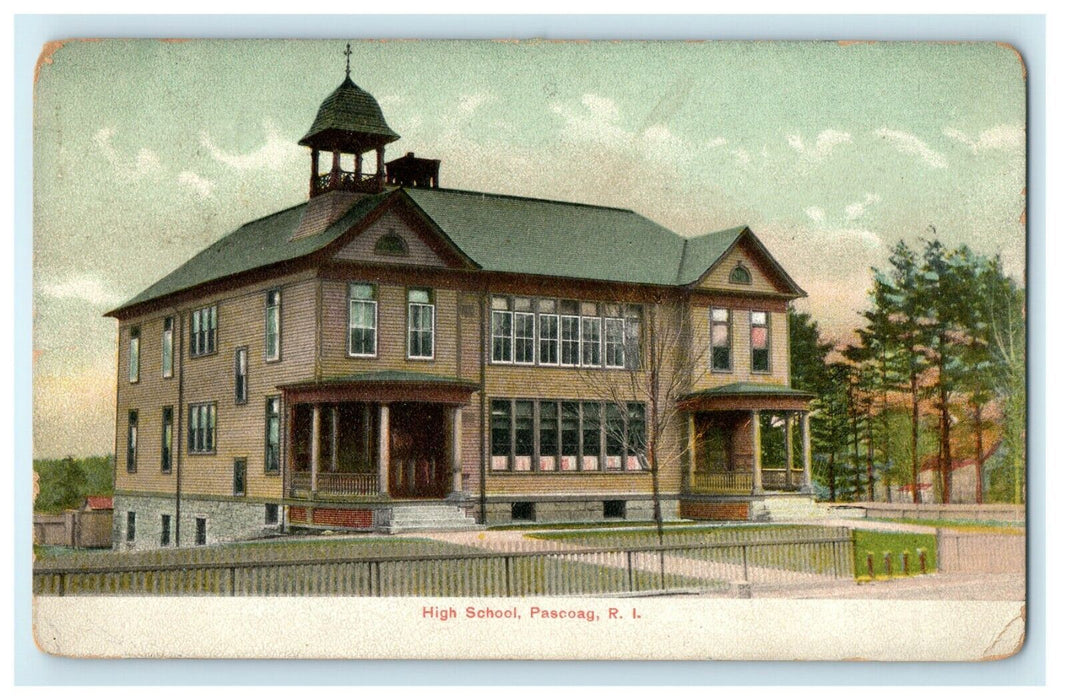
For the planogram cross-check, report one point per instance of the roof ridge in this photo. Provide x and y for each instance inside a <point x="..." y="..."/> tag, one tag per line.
<point x="529" y="199"/>
<point x="252" y="221"/>
<point x="681" y="261"/>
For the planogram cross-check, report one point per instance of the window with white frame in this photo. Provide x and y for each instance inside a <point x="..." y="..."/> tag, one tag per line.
<point x="203" y="329"/>
<point x="135" y="354"/>
<point x="761" y="342"/>
<point x="548" y="332"/>
<point x="570" y="341"/>
<point x="272" y="456"/>
<point x="240" y="375"/>
<point x="634" y="318"/>
<point x="362" y="320"/>
<point x="591" y="341"/>
<point x="201" y="428"/>
<point x="168" y="347"/>
<point x="131" y="441"/>
<point x="501" y="332"/>
<point x="272" y="348"/>
<point x="524" y="338"/>
<point x="167" y="440"/>
<point x="720" y="340"/>
<point x="614" y="343"/>
<point x="420" y="324"/>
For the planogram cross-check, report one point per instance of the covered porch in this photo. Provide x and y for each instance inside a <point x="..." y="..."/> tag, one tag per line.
<point x="743" y="440"/>
<point x="375" y="437"/>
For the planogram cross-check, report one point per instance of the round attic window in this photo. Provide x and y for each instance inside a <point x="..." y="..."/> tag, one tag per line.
<point x="740" y="275"/>
<point x="391" y="244"/>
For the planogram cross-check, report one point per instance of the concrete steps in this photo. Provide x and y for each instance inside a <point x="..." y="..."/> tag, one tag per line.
<point x="420" y="517"/>
<point x="792" y="507"/>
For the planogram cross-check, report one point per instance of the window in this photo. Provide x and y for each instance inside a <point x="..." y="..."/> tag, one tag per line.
<point x="636" y="437"/>
<point x="614" y="343"/>
<point x="240" y="376"/>
<point x="164" y="530"/>
<point x="761" y="343"/>
<point x="740" y="275"/>
<point x="548" y="422"/>
<point x="720" y="340"/>
<point x="420" y="324"/>
<point x="634" y="313"/>
<point x="131" y="526"/>
<point x="500" y="437"/>
<point x="270" y="517"/>
<point x="135" y="354"/>
<point x="203" y="328"/>
<point x="590" y="436"/>
<point x="569" y="344"/>
<point x="272" y="457"/>
<point x="569" y="435"/>
<point x="590" y="341"/>
<point x="524" y="338"/>
<point x="362" y="320"/>
<point x="168" y="347"/>
<point x="549" y="341"/>
<point x="501" y="331"/>
<point x="272" y="348"/>
<point x="240" y="474"/>
<point x="201" y="531"/>
<point x="522" y="510"/>
<point x="614" y="436"/>
<point x="615" y="509"/>
<point x="391" y="244"/>
<point x="524" y="436"/>
<point x="167" y="440"/>
<point x="201" y="428"/>
<point x="131" y="442"/>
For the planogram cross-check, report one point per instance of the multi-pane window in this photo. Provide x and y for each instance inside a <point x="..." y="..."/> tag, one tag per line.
<point x="166" y="447"/>
<point x="761" y="342"/>
<point x="131" y="441"/>
<point x="272" y="349"/>
<point x="202" y="331"/>
<point x="524" y="436"/>
<point x="131" y="526"/>
<point x="164" y="530"/>
<point x="240" y="375"/>
<point x="570" y="351"/>
<point x="740" y="275"/>
<point x="548" y="420"/>
<point x="548" y="330"/>
<point x="362" y="320"/>
<point x="420" y="324"/>
<point x="502" y="330"/>
<point x="590" y="435"/>
<point x="569" y="436"/>
<point x="614" y="343"/>
<point x="524" y="338"/>
<point x="614" y="436"/>
<point x="590" y="341"/>
<point x="500" y="434"/>
<point x="135" y="354"/>
<point x="636" y="436"/>
<point x="201" y="428"/>
<point x="168" y="346"/>
<point x="720" y="340"/>
<point x="240" y="476"/>
<point x="634" y="313"/>
<point x="272" y="456"/>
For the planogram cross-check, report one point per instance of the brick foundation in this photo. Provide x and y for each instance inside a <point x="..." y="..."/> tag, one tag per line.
<point x="338" y="517"/>
<point x="714" y="511"/>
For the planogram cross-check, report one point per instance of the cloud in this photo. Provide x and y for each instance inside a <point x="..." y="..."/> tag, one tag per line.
<point x="716" y="142"/>
<point x="742" y="157"/>
<point x="1000" y="137"/>
<point x="912" y="144"/>
<point x="857" y="209"/>
<point x="274" y="154"/>
<point x="145" y="162"/>
<point x="596" y="122"/>
<point x="816" y="214"/>
<point x="824" y="144"/>
<point x="85" y="288"/>
<point x="470" y="103"/>
<point x="203" y="186"/>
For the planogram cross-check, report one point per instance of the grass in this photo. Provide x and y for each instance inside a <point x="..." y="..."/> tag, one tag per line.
<point x="876" y="543"/>
<point x="992" y="527"/>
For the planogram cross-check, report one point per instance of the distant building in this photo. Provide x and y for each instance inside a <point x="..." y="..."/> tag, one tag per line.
<point x="391" y="354"/>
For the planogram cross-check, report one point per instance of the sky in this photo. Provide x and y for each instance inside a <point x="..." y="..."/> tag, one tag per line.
<point x="147" y="151"/>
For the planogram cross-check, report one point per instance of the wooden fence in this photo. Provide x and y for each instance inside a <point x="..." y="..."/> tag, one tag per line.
<point x="551" y="569"/>
<point x="73" y="528"/>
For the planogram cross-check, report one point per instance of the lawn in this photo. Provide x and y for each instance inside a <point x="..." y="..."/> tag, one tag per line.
<point x="877" y="543"/>
<point x="987" y="526"/>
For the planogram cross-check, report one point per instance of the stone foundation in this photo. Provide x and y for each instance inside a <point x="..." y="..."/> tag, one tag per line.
<point x="226" y="521"/>
<point x="556" y="510"/>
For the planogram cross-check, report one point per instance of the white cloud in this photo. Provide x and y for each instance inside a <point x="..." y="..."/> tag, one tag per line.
<point x="742" y="157"/>
<point x="596" y="122"/>
<point x="857" y="209"/>
<point x="145" y="162"/>
<point x="912" y="144"/>
<point x="716" y="142"/>
<point x="82" y="288"/>
<point x="1001" y="136"/>
<point x="816" y="214"/>
<point x="824" y="144"/>
<point x="469" y="103"/>
<point x="275" y="154"/>
<point x="203" y="186"/>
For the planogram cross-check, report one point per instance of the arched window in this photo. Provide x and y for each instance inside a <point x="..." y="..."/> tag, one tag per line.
<point x="740" y="275"/>
<point x="391" y="244"/>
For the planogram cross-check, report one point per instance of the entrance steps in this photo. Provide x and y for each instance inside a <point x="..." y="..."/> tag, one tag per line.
<point x="424" y="517"/>
<point x="790" y="507"/>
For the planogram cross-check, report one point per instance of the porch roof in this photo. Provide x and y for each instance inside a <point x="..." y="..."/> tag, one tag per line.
<point x="385" y="386"/>
<point x="747" y="396"/>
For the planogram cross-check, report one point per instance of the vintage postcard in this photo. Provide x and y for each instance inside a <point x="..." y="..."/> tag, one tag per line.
<point x="583" y="350"/>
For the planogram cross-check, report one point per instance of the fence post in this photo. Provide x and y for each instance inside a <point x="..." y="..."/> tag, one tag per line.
<point x="922" y="561"/>
<point x="62" y="583"/>
<point x="507" y="576"/>
<point x="233" y="581"/>
<point x="887" y="558"/>
<point x="630" y="569"/>
<point x="377" y="583"/>
<point x="870" y="565"/>
<point x="904" y="562"/>
<point x="744" y="561"/>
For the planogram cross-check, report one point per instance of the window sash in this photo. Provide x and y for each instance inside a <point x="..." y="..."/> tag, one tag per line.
<point x="168" y="347"/>
<point x="420" y="331"/>
<point x="362" y="327"/>
<point x="240" y="376"/>
<point x="548" y="340"/>
<point x="721" y="360"/>
<point x="760" y="341"/>
<point x="548" y="439"/>
<point x="131" y="442"/>
<point x="166" y="449"/>
<point x="272" y="325"/>
<point x="135" y="355"/>
<point x="240" y="476"/>
<point x="164" y="536"/>
<point x="570" y="348"/>
<point x="591" y="341"/>
<point x="201" y="428"/>
<point x="204" y="325"/>
<point x="272" y="458"/>
<point x="524" y="338"/>
<point x="502" y="334"/>
<point x="614" y="343"/>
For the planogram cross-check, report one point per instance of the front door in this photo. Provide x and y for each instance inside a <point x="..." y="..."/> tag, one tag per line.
<point x="418" y="466"/>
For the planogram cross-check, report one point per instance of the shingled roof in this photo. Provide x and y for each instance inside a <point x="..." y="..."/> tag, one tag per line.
<point x="499" y="233"/>
<point x="349" y="110"/>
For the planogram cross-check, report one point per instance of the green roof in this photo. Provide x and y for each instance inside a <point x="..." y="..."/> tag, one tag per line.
<point x="498" y="233"/>
<point x="752" y="389"/>
<point x="350" y="108"/>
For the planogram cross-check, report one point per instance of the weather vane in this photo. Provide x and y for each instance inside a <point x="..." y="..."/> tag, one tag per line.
<point x="348" y="55"/>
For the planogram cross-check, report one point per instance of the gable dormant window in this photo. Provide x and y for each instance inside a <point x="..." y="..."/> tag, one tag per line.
<point x="548" y="332"/>
<point x="168" y="347"/>
<point x="761" y="342"/>
<point x="524" y="332"/>
<point x="720" y="340"/>
<point x="570" y="334"/>
<point x="135" y="354"/>
<point x="590" y="335"/>
<point x="240" y="475"/>
<point x="272" y="455"/>
<point x="391" y="244"/>
<point x="420" y="324"/>
<point x="201" y="428"/>
<point x="202" y="333"/>
<point x="240" y="375"/>
<point x="502" y="330"/>
<point x="272" y="347"/>
<point x="740" y="275"/>
<point x="362" y="320"/>
<point x="131" y="442"/>
<point x="166" y="446"/>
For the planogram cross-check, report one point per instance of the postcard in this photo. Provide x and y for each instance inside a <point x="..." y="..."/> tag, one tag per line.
<point x="530" y="350"/>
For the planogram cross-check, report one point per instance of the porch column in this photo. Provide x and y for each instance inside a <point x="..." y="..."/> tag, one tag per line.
<point x="335" y="421"/>
<point x="789" y="449"/>
<point x="383" y="449"/>
<point x="314" y="171"/>
<point x="757" y="455"/>
<point x="359" y="165"/>
<point x="805" y="432"/>
<point x="316" y="441"/>
<point x="335" y="169"/>
<point x="690" y="472"/>
<point x="381" y="163"/>
<point x="457" y="449"/>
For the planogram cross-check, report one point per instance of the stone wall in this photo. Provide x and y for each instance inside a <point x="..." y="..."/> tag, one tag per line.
<point x="226" y="521"/>
<point x="577" y="510"/>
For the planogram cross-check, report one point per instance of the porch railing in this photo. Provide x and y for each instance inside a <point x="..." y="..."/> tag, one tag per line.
<point x="349" y="181"/>
<point x="336" y="483"/>
<point x="722" y="482"/>
<point x="782" y="480"/>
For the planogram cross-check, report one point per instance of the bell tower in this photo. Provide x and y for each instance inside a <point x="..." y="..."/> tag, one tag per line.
<point x="349" y="124"/>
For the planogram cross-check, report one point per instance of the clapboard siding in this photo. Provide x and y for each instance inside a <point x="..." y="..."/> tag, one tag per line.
<point x="740" y="349"/>
<point x="361" y="248"/>
<point x="718" y="278"/>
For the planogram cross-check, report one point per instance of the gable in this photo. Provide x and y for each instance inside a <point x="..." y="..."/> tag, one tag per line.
<point x="765" y="279"/>
<point x="390" y="241"/>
